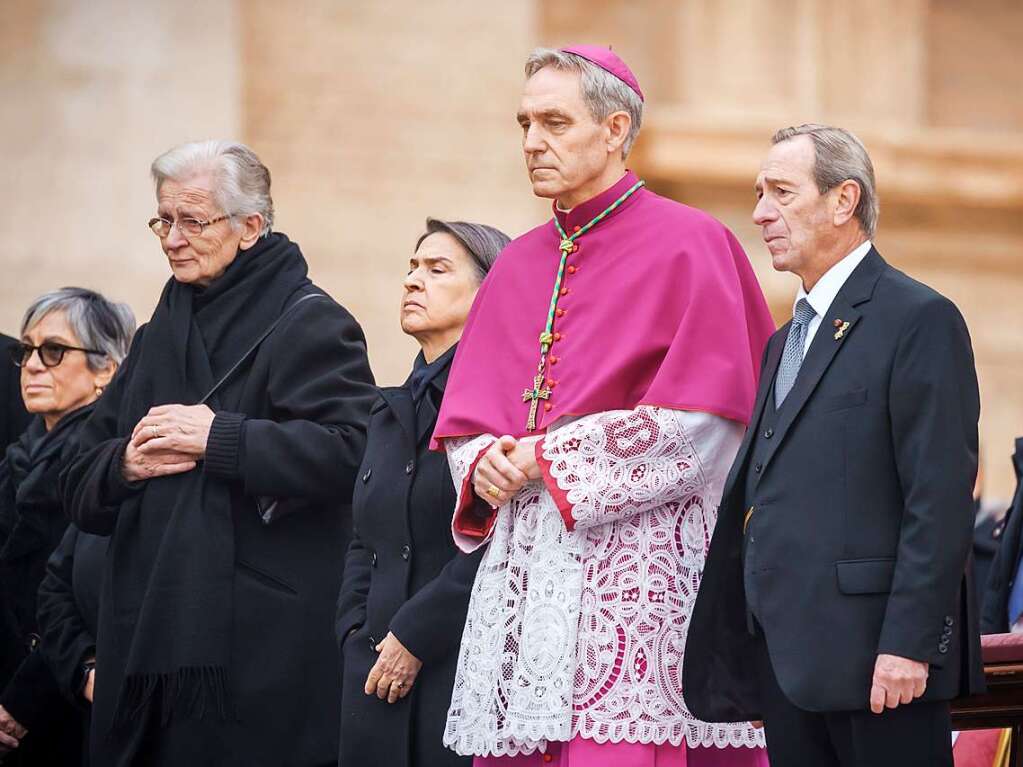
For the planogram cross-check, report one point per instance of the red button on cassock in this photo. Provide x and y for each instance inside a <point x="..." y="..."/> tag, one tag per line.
<point x="561" y="312"/>
<point x="571" y="270"/>
<point x="564" y="291"/>
<point x="548" y="758"/>
<point x="548" y="406"/>
<point x="554" y="360"/>
<point x="576" y="228"/>
<point x="557" y="336"/>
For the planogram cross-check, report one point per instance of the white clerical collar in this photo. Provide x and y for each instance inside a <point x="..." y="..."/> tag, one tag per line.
<point x="823" y="293"/>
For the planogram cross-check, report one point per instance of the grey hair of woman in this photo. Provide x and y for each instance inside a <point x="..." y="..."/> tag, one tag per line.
<point x="603" y="93"/>
<point x="240" y="180"/>
<point x="98" y="322"/>
<point x="483" y="243"/>
<point x="840" y="156"/>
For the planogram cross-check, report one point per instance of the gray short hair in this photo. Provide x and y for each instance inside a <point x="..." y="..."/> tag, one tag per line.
<point x="603" y="93"/>
<point x="241" y="182"/>
<point x="840" y="156"/>
<point x="98" y="322"/>
<point x="483" y="243"/>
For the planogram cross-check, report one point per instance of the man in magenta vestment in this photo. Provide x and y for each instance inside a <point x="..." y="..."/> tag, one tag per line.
<point x="597" y="399"/>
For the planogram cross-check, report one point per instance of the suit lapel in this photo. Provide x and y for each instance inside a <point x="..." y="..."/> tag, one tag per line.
<point x="828" y="342"/>
<point x="775" y="346"/>
<point x="399" y="399"/>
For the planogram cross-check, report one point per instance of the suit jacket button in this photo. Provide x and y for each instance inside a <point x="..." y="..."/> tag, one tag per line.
<point x="947" y="631"/>
<point x="948" y="620"/>
<point x="406" y="552"/>
<point x="758" y="468"/>
<point x="769" y="433"/>
<point x="367" y="475"/>
<point x="409" y="467"/>
<point x="943" y="649"/>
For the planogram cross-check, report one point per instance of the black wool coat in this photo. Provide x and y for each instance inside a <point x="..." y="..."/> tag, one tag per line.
<point x="403" y="574"/>
<point x="13" y="416"/>
<point x="291" y="427"/>
<point x="862" y="512"/>
<point x="995" y="618"/>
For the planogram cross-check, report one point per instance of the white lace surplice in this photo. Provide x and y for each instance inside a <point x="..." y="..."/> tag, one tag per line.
<point x="581" y="631"/>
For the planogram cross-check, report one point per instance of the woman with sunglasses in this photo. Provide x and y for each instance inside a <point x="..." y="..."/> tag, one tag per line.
<point x="72" y="341"/>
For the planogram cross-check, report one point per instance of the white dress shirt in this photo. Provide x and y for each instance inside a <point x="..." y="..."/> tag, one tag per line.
<point x="827" y="287"/>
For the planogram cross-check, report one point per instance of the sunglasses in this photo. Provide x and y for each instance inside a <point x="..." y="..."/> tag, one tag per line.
<point x="51" y="353"/>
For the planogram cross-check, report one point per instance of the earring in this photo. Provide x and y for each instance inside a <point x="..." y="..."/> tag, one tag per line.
<point x="99" y="390"/>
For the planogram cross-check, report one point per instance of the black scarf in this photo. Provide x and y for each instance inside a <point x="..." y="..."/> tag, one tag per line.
<point x="166" y="611"/>
<point x="31" y="507"/>
<point x="424" y="373"/>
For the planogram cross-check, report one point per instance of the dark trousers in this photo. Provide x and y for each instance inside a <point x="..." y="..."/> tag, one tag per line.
<point x="914" y="735"/>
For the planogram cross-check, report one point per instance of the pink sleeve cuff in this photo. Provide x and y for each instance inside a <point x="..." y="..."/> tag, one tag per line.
<point x="560" y="496"/>
<point x="473" y="517"/>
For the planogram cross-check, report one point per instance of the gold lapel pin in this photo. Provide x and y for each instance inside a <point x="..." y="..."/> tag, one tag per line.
<point x="842" y="326"/>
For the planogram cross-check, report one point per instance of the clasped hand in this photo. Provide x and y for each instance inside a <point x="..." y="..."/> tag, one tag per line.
<point x="11" y="732"/>
<point x="897" y="681"/>
<point x="506" y="466"/>
<point x="395" y="671"/>
<point x="170" y="439"/>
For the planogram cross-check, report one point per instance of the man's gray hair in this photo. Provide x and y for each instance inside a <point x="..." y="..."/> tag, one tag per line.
<point x="98" y="322"/>
<point x="483" y="243"/>
<point x="241" y="182"/>
<point x="603" y="93"/>
<point x="840" y="156"/>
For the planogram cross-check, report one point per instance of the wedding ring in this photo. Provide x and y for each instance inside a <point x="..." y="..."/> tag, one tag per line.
<point x="494" y="491"/>
<point x="399" y="685"/>
<point x="154" y="431"/>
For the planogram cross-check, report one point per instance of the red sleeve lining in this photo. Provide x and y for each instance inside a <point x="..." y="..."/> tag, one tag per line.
<point x="560" y="496"/>
<point x="474" y="518"/>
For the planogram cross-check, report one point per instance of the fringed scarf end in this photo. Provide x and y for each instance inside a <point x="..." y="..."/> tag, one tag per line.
<point x="194" y="692"/>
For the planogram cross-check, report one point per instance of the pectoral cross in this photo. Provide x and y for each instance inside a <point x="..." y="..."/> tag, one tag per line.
<point x="533" y="396"/>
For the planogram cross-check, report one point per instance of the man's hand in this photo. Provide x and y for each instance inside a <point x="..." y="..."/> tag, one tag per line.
<point x="11" y="731"/>
<point x="496" y="470"/>
<point x="897" y="681"/>
<point x="395" y="671"/>
<point x="174" y="428"/>
<point x="138" y="466"/>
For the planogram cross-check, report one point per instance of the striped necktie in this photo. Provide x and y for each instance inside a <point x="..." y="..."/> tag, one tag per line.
<point x="792" y="357"/>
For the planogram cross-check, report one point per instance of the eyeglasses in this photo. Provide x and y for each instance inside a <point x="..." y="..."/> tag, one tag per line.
<point x="190" y="227"/>
<point x="51" y="353"/>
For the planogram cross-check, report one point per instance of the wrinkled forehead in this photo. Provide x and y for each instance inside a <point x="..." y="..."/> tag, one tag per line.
<point x="791" y="161"/>
<point x="193" y="193"/>
<point x="552" y="89"/>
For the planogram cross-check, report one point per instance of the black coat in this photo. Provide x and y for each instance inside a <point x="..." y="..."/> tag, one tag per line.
<point x="862" y="515"/>
<point x="291" y="427"/>
<point x="32" y="523"/>
<point x="995" y="619"/>
<point x="403" y="574"/>
<point x="13" y="416"/>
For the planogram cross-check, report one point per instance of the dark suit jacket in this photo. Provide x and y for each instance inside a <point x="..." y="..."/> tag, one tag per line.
<point x="402" y="574"/>
<point x="863" y="515"/>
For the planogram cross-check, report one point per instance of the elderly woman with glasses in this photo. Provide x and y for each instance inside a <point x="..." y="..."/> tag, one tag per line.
<point x="72" y="341"/>
<point x="220" y="463"/>
<point x="406" y="587"/>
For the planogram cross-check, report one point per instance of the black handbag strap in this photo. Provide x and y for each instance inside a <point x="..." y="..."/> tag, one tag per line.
<point x="266" y="334"/>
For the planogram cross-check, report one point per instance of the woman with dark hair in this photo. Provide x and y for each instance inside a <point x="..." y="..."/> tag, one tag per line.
<point x="406" y="587"/>
<point x="72" y="341"/>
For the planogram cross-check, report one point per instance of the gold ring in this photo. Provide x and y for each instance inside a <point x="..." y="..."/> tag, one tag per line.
<point x="155" y="432"/>
<point x="494" y="491"/>
<point x="398" y="684"/>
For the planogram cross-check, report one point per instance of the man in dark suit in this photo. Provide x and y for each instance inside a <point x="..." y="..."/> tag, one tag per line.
<point x="834" y="605"/>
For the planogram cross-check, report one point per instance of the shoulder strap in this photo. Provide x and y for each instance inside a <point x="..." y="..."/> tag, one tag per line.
<point x="266" y="333"/>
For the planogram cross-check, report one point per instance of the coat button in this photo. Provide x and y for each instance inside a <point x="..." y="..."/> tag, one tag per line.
<point x="367" y="475"/>
<point x="406" y="552"/>
<point x="948" y="620"/>
<point x="372" y="642"/>
<point x="758" y="468"/>
<point x="409" y="467"/>
<point x="373" y="559"/>
<point x="769" y="433"/>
